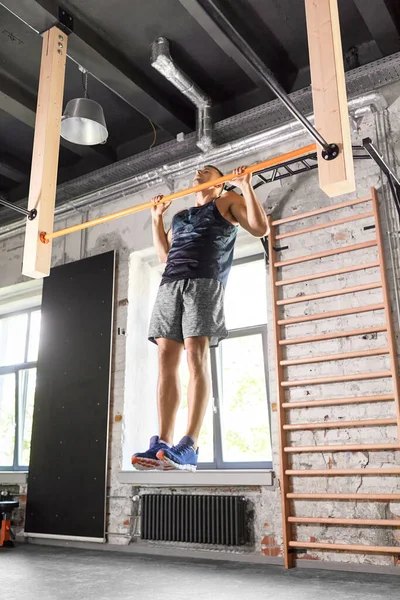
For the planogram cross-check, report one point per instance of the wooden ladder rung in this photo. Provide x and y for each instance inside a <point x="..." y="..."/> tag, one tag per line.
<point x="340" y="472"/>
<point x="341" y="497"/>
<point x="329" y="357"/>
<point x="345" y="522"/>
<point x="337" y="401"/>
<point x="331" y="314"/>
<point x="325" y="225"/>
<point x="332" y="273"/>
<point x="332" y="336"/>
<point x="331" y="293"/>
<point x="341" y="250"/>
<point x="344" y="448"/>
<point x="347" y="547"/>
<point x="320" y="211"/>
<point x="340" y="424"/>
<point x="336" y="379"/>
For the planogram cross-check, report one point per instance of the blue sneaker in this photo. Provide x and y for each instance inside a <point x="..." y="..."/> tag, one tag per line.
<point x="182" y="456"/>
<point x="147" y="461"/>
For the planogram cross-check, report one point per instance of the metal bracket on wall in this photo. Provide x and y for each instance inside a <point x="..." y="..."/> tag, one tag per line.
<point x="292" y="167"/>
<point x="65" y="21"/>
<point x="393" y="180"/>
<point x="296" y="166"/>
<point x="264" y="242"/>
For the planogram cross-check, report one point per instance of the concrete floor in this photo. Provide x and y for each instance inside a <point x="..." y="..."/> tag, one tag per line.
<point x="50" y="573"/>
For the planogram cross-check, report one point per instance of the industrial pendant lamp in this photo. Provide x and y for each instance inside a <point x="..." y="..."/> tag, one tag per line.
<point x="83" y="120"/>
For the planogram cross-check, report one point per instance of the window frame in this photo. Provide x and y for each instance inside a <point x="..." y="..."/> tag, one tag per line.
<point x="219" y="463"/>
<point x="15" y="370"/>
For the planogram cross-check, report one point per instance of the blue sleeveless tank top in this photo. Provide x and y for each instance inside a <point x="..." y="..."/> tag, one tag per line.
<point x="202" y="245"/>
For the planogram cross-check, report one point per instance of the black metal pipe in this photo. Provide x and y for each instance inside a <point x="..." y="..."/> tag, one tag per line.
<point x="380" y="161"/>
<point x="393" y="180"/>
<point x="31" y="214"/>
<point x="395" y="193"/>
<point x="23" y="211"/>
<point x="267" y="76"/>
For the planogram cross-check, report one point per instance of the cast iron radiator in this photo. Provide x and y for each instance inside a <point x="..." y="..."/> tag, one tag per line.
<point x="197" y="519"/>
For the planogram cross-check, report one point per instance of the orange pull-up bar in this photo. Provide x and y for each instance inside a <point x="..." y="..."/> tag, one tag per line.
<point x="46" y="237"/>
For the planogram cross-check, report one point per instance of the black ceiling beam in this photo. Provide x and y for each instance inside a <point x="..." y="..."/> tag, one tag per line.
<point x="84" y="166"/>
<point x="12" y="168"/>
<point x="241" y="25"/>
<point x="108" y="65"/>
<point x="217" y="33"/>
<point x="17" y="102"/>
<point x="379" y="21"/>
<point x="21" y="104"/>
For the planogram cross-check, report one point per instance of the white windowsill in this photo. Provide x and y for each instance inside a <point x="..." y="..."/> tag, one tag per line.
<point x="240" y="478"/>
<point x="13" y="477"/>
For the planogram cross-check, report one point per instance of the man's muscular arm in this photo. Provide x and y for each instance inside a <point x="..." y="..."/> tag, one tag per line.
<point x="246" y="209"/>
<point x="161" y="239"/>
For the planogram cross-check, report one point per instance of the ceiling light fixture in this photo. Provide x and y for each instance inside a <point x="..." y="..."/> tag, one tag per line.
<point x="83" y="120"/>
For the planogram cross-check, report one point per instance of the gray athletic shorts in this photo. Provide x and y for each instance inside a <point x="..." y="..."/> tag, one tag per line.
<point x="189" y="308"/>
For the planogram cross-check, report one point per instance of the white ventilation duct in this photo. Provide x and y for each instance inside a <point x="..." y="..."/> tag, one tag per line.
<point x="161" y="60"/>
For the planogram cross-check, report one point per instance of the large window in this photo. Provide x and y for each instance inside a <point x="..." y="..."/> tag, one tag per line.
<point x="236" y="430"/>
<point x="19" y="343"/>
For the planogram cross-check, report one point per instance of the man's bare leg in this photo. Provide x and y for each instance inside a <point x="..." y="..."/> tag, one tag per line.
<point x="169" y="387"/>
<point x="199" y="383"/>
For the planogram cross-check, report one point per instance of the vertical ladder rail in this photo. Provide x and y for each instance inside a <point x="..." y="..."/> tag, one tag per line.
<point x="388" y="314"/>
<point x="284" y="459"/>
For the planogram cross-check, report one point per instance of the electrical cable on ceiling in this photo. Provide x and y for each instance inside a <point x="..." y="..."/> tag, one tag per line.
<point x="155" y="134"/>
<point x="84" y="79"/>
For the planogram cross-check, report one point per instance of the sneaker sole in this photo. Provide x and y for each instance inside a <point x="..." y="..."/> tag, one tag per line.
<point x="171" y="465"/>
<point x="148" y="464"/>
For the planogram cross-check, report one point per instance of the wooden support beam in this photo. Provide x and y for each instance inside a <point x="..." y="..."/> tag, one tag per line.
<point x="43" y="182"/>
<point x="331" y="113"/>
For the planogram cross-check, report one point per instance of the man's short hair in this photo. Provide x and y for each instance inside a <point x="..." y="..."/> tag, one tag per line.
<point x="215" y="168"/>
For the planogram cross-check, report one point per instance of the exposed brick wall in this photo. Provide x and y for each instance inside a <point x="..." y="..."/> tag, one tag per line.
<point x="289" y="197"/>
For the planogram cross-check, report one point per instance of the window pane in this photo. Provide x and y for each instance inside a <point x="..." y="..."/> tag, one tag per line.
<point x="206" y="444"/>
<point x="27" y="385"/>
<point x="244" y="408"/>
<point x="34" y="334"/>
<point x="245" y="295"/>
<point x="13" y="339"/>
<point x="7" y="419"/>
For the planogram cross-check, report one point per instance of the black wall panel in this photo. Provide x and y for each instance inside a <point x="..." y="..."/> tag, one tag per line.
<point x="67" y="472"/>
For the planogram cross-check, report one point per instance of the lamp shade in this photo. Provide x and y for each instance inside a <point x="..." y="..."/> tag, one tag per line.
<point x="83" y="122"/>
